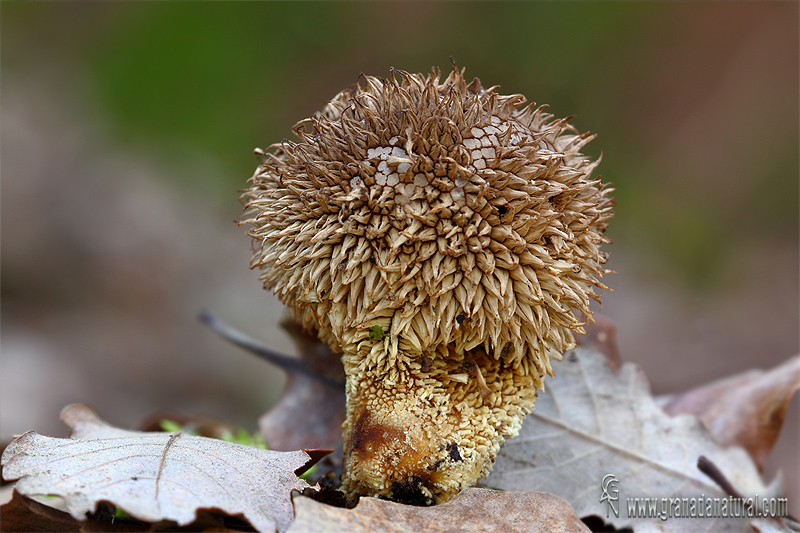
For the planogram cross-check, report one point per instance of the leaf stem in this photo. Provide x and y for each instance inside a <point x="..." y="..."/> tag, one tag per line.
<point x="289" y="364"/>
<point x="706" y="466"/>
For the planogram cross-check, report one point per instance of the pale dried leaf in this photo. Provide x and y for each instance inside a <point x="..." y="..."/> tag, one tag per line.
<point x="593" y="421"/>
<point x="745" y="410"/>
<point x="473" y="510"/>
<point x="155" y="476"/>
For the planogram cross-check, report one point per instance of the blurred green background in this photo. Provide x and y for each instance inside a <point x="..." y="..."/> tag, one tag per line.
<point x="658" y="81"/>
<point x="129" y="127"/>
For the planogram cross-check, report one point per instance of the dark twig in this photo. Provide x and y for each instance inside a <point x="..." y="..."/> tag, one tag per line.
<point x="290" y="364"/>
<point x="706" y="466"/>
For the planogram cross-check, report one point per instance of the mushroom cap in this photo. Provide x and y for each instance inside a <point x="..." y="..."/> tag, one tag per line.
<point x="444" y="213"/>
<point x="430" y="231"/>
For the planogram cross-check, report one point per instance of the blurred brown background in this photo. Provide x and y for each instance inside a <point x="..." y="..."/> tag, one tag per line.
<point x="128" y="128"/>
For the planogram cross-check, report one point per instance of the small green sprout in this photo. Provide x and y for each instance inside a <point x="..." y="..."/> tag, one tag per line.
<point x="170" y="426"/>
<point x="242" y="436"/>
<point x="376" y="333"/>
<point x="305" y="475"/>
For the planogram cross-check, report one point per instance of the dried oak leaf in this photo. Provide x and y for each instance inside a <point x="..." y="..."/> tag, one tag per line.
<point x="745" y="410"/>
<point x="472" y="510"/>
<point x="155" y="476"/>
<point x="593" y="421"/>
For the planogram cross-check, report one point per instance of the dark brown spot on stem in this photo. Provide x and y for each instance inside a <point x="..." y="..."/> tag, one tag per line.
<point x="410" y="492"/>
<point x="452" y="449"/>
<point x="367" y="438"/>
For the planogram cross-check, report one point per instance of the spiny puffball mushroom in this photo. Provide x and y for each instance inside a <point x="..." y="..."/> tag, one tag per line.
<point x="445" y="240"/>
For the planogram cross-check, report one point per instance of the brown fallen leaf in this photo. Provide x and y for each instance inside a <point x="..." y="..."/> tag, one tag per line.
<point x="311" y="409"/>
<point x="473" y="510"/>
<point x="310" y="412"/>
<point x="593" y="422"/>
<point x="745" y="410"/>
<point x="155" y="476"/>
<point x="205" y="426"/>
<point x="601" y="336"/>
<point x="763" y="525"/>
<point x="25" y="514"/>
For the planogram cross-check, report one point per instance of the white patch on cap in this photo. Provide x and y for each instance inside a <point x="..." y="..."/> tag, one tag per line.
<point x="472" y="144"/>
